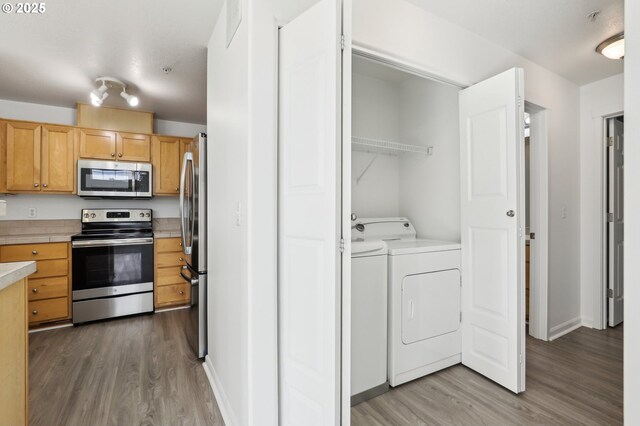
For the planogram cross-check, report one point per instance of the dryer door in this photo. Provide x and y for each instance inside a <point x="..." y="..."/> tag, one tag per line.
<point x="430" y="305"/>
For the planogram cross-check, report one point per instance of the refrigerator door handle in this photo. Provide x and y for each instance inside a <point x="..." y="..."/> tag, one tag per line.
<point x="192" y="281"/>
<point x="183" y="225"/>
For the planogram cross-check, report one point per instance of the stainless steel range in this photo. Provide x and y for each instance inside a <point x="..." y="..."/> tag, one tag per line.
<point x="112" y="264"/>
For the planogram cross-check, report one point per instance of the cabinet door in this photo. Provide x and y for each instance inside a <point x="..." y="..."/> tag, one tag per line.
<point x="57" y="159"/>
<point x="99" y="144"/>
<point x="133" y="147"/>
<point x="23" y="156"/>
<point x="166" y="164"/>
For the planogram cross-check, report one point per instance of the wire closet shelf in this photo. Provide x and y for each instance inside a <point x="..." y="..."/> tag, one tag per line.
<point x="386" y="147"/>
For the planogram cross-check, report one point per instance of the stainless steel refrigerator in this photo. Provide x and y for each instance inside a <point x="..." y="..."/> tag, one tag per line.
<point x="193" y="227"/>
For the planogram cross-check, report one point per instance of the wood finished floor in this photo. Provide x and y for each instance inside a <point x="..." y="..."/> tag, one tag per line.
<point x="132" y="371"/>
<point x="575" y="380"/>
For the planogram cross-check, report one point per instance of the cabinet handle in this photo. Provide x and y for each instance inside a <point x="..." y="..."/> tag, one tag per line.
<point x="181" y="259"/>
<point x="119" y="154"/>
<point x="34" y="252"/>
<point x="180" y="243"/>
<point x="34" y="312"/>
<point x="35" y="290"/>
<point x="177" y="188"/>
<point x="35" y="185"/>
<point x="181" y="292"/>
<point x="44" y="185"/>
<point x="113" y="154"/>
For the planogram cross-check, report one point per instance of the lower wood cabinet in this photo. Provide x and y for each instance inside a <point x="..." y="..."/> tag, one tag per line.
<point x="49" y="288"/>
<point x="170" y="288"/>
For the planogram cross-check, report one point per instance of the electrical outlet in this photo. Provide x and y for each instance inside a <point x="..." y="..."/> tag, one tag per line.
<point x="563" y="213"/>
<point x="32" y="212"/>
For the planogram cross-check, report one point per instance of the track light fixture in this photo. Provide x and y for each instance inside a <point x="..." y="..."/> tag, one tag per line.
<point x="100" y="94"/>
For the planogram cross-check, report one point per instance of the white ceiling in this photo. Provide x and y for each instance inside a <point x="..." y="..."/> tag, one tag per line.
<point x="54" y="58"/>
<point x="553" y="33"/>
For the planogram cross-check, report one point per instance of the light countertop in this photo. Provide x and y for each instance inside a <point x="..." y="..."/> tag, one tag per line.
<point x="15" y="271"/>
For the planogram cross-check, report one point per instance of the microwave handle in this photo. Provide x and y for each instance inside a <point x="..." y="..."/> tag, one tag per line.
<point x="187" y="157"/>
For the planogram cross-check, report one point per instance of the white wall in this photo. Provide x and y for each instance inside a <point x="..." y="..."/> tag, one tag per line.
<point x="69" y="206"/>
<point x="632" y="213"/>
<point x="598" y="99"/>
<point x="376" y="115"/>
<point x="242" y="199"/>
<point x="67" y="116"/>
<point x="406" y="32"/>
<point x="430" y="185"/>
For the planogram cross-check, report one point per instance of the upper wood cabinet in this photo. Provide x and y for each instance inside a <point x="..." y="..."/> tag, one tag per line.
<point x="98" y="144"/>
<point x="167" y="162"/>
<point x="39" y="157"/>
<point x="57" y="173"/>
<point x="23" y="155"/>
<point x="106" y="145"/>
<point x="133" y="147"/>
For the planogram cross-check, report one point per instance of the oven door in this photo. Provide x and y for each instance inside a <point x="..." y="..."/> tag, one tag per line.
<point x="115" y="267"/>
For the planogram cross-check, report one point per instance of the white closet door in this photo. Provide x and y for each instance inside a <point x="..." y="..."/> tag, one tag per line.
<point x="492" y="216"/>
<point x="616" y="227"/>
<point x="309" y="267"/>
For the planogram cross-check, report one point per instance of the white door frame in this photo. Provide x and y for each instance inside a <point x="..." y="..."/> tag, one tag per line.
<point x="599" y="290"/>
<point x="538" y="309"/>
<point x="539" y="222"/>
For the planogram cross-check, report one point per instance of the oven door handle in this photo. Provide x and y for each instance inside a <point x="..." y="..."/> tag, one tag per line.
<point x="192" y="281"/>
<point x="112" y="243"/>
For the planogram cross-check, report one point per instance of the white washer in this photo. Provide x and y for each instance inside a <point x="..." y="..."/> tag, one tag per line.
<point x="424" y="299"/>
<point x="368" y="320"/>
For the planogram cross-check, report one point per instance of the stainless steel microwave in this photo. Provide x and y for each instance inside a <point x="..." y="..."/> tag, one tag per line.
<point x="114" y="179"/>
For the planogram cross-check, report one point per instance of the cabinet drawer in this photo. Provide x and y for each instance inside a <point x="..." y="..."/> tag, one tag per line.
<point x="51" y="268"/>
<point x="48" y="288"/>
<point x="173" y="294"/>
<point x="169" y="259"/>
<point x="169" y="245"/>
<point x="48" y="310"/>
<point x="169" y="275"/>
<point x="24" y="252"/>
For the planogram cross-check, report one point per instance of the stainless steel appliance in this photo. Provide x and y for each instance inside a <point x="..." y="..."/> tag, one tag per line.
<point x="114" y="179"/>
<point x="193" y="224"/>
<point x="112" y="264"/>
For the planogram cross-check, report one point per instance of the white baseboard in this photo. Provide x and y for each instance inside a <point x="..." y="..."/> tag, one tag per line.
<point x="221" y="397"/>
<point x="565" y="328"/>
<point x="587" y="322"/>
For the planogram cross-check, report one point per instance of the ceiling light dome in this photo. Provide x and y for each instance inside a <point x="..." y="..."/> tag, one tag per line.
<point x="613" y="47"/>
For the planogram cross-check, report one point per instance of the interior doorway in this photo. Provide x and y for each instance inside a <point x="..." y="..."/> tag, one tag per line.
<point x="615" y="220"/>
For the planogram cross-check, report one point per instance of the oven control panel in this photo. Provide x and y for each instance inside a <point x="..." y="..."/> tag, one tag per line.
<point x="116" y="215"/>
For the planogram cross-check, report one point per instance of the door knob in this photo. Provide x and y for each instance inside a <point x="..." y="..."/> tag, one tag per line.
<point x="511" y="213"/>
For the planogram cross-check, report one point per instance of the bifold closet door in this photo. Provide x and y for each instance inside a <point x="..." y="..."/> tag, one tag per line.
<point x="616" y="226"/>
<point x="309" y="217"/>
<point x="492" y="216"/>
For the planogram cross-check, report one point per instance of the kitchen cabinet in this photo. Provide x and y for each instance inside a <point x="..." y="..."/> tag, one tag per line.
<point x="170" y="289"/>
<point x="14" y="344"/>
<point x="39" y="157"/>
<point x="49" y="288"/>
<point x="168" y="152"/>
<point x="107" y="145"/>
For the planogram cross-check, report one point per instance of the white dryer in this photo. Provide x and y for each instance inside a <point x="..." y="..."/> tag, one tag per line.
<point x="424" y="302"/>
